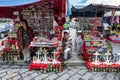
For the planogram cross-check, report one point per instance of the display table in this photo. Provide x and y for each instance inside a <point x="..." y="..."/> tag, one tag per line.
<point x="94" y="43"/>
<point x="47" y="56"/>
<point x="88" y="50"/>
<point x="46" y="67"/>
<point x="43" y="44"/>
<point x="10" y="51"/>
<point x="113" y="67"/>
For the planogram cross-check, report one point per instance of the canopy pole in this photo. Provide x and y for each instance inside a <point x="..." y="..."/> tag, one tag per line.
<point x="96" y="12"/>
<point x="84" y="13"/>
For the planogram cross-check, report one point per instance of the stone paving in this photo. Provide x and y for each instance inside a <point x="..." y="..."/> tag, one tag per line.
<point x="19" y="71"/>
<point x="69" y="73"/>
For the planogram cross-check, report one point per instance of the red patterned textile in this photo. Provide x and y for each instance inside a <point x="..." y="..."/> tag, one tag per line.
<point x="40" y="66"/>
<point x="114" y="41"/>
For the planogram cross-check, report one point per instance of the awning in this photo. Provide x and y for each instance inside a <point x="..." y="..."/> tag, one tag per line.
<point x="93" y="10"/>
<point x="7" y="7"/>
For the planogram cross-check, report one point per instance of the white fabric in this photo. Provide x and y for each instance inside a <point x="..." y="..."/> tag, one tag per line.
<point x="73" y="35"/>
<point x="26" y="54"/>
<point x="106" y="26"/>
<point x="79" y="43"/>
<point x="115" y="48"/>
<point x="66" y="53"/>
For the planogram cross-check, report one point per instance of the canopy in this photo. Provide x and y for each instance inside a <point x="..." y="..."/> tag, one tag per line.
<point x="93" y="10"/>
<point x="7" y="7"/>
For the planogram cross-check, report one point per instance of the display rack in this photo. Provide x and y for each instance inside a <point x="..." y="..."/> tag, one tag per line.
<point x="46" y="58"/>
<point x="39" y="19"/>
<point x="98" y="54"/>
<point x="11" y="55"/>
<point x="10" y="51"/>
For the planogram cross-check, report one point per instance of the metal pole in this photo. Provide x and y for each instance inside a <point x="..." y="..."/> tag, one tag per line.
<point x="96" y="12"/>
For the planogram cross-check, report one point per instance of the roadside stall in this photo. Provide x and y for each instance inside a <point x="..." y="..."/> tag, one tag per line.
<point x="97" y="50"/>
<point x="40" y="16"/>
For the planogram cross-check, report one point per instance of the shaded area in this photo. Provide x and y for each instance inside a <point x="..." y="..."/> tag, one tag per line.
<point x="92" y="10"/>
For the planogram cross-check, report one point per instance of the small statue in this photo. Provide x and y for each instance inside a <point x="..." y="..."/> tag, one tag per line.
<point x="107" y="55"/>
<point x="45" y="56"/>
<point x="96" y="58"/>
<point x="38" y="57"/>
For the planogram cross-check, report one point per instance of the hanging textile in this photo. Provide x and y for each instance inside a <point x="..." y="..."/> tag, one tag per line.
<point x="59" y="8"/>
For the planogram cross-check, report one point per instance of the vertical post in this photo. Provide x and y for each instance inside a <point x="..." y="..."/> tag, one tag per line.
<point x="96" y="12"/>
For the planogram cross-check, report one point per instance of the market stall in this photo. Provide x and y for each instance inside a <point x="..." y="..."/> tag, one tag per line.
<point x="112" y="18"/>
<point x="40" y="16"/>
<point x="99" y="54"/>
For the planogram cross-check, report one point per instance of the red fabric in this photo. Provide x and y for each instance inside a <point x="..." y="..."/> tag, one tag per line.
<point x="40" y="66"/>
<point x="2" y="43"/>
<point x="92" y="48"/>
<point x="85" y="54"/>
<point x="43" y="14"/>
<point x="91" y="42"/>
<point x="59" y="11"/>
<point x="90" y="65"/>
<point x="95" y="32"/>
<point x="61" y="27"/>
<point x="57" y="54"/>
<point x="84" y="48"/>
<point x="6" y="49"/>
<point x="9" y="41"/>
<point x="114" y="41"/>
<point x="19" y="37"/>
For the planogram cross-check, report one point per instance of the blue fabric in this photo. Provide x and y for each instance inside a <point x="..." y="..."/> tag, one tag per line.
<point x="69" y="56"/>
<point x="16" y="2"/>
<point x="68" y="8"/>
<point x="24" y="38"/>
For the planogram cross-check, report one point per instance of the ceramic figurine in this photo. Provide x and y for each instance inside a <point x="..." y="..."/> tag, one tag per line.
<point x="118" y="60"/>
<point x="45" y="56"/>
<point x="107" y="57"/>
<point x="54" y="59"/>
<point x="38" y="57"/>
<point x="60" y="68"/>
<point x="115" y="58"/>
<point x="96" y="58"/>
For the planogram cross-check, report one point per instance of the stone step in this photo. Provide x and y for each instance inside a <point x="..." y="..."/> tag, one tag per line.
<point x="76" y="60"/>
<point x="75" y="63"/>
<point x="14" y="63"/>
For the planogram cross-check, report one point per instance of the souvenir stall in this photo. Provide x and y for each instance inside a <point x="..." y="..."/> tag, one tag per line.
<point x="114" y="37"/>
<point x="98" y="53"/>
<point x="10" y="50"/>
<point x="47" y="53"/>
<point x="40" y="16"/>
<point x="113" y="19"/>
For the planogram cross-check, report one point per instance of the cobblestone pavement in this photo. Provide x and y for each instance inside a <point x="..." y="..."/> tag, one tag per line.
<point x="20" y="71"/>
<point x="69" y="73"/>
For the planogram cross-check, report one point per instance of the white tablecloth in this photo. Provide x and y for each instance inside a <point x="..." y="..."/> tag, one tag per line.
<point x="115" y="47"/>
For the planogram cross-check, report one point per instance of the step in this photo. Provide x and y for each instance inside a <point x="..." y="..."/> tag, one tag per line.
<point x="75" y="63"/>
